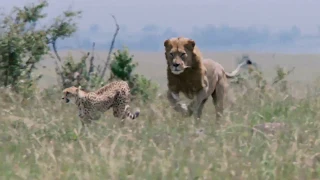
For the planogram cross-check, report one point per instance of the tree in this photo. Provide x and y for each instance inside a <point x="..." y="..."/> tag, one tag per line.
<point x="23" y="43"/>
<point x="63" y="27"/>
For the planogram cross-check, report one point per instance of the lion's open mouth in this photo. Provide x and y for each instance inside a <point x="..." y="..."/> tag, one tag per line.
<point x="176" y="71"/>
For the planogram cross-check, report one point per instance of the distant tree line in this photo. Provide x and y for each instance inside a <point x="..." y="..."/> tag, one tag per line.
<point x="150" y="37"/>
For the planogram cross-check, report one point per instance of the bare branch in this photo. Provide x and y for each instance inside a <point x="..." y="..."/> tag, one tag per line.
<point x="91" y="66"/>
<point x="111" y="48"/>
<point x="59" y="72"/>
<point x="55" y="50"/>
<point x="58" y="67"/>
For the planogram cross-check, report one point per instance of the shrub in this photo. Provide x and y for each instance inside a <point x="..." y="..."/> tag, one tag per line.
<point x="122" y="66"/>
<point x="79" y="74"/>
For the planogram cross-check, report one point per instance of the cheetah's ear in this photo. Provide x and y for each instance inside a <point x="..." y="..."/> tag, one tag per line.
<point x="80" y="93"/>
<point x="78" y="90"/>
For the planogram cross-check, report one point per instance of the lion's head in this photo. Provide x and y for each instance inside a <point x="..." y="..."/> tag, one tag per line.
<point x="181" y="53"/>
<point x="185" y="70"/>
<point x="69" y="93"/>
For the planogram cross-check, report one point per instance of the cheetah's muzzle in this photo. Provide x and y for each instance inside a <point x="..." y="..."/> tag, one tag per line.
<point x="67" y="100"/>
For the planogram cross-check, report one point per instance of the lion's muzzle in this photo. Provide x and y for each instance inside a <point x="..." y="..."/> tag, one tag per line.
<point x="177" y="68"/>
<point x="175" y="65"/>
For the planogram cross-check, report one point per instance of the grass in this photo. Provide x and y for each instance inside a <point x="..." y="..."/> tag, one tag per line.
<point x="151" y="64"/>
<point x="39" y="139"/>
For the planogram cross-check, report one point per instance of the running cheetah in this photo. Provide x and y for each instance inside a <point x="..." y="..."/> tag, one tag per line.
<point x="90" y="104"/>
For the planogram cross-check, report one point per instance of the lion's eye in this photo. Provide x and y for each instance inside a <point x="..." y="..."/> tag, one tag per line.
<point x="171" y="54"/>
<point x="182" y="54"/>
<point x="67" y="93"/>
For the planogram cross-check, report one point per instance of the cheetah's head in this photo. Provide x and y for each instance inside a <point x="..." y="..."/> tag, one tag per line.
<point x="69" y="93"/>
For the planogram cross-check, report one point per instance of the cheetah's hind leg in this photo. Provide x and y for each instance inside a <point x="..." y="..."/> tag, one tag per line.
<point x="131" y="115"/>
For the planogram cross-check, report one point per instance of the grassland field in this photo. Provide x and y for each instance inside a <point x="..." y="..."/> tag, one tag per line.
<point x="40" y="139"/>
<point x="153" y="64"/>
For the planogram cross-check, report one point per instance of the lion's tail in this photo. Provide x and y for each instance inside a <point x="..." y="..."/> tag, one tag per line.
<point x="235" y="72"/>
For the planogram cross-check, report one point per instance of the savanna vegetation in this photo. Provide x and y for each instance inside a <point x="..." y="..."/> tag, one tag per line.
<point x="40" y="139"/>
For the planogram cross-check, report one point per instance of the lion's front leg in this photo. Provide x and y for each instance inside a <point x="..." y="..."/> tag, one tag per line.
<point x="174" y="100"/>
<point x="197" y="103"/>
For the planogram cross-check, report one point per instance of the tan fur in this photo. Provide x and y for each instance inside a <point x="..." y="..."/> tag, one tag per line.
<point x="90" y="104"/>
<point x="195" y="77"/>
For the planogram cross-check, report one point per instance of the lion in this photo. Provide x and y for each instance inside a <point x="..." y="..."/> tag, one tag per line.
<point x="195" y="77"/>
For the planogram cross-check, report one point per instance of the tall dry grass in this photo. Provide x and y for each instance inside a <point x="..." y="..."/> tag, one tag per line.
<point x="39" y="139"/>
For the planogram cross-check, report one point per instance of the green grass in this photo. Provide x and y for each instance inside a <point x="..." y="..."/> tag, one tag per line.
<point x="39" y="139"/>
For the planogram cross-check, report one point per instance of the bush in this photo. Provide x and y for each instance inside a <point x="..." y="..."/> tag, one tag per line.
<point x="122" y="67"/>
<point x="143" y="88"/>
<point x="79" y="74"/>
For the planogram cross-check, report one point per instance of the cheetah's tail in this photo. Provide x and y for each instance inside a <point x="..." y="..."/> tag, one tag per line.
<point x="132" y="115"/>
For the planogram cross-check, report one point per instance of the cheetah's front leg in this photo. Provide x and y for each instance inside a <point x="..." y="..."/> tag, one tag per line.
<point x="85" y="118"/>
<point x="81" y="114"/>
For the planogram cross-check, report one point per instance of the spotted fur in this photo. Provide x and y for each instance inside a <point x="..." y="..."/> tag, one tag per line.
<point x="90" y="104"/>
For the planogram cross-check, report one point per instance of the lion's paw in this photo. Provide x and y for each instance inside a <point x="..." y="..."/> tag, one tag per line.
<point x="183" y="106"/>
<point x="184" y="109"/>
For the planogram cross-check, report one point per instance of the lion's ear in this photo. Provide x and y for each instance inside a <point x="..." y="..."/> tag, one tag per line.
<point x="166" y="43"/>
<point x="191" y="43"/>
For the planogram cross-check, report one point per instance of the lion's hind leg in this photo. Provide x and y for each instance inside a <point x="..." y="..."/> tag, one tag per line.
<point x="218" y="97"/>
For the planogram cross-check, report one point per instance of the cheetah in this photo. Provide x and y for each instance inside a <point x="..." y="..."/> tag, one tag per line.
<point x="91" y="104"/>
